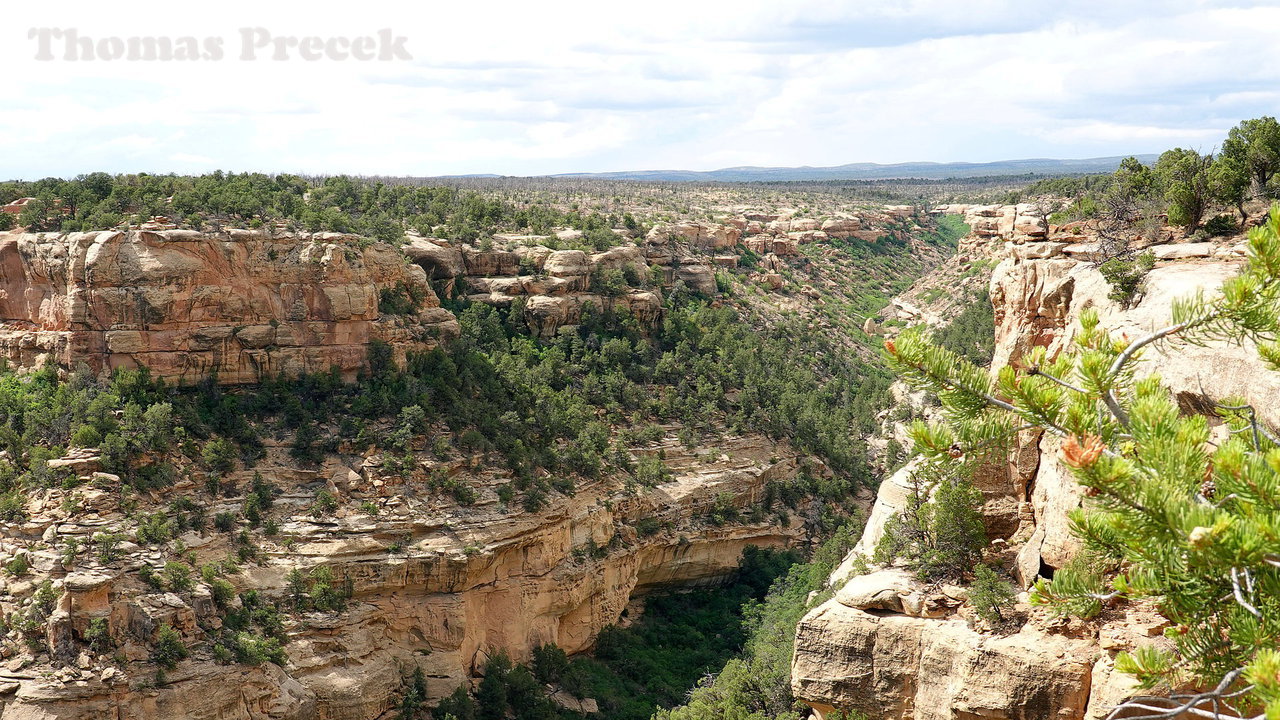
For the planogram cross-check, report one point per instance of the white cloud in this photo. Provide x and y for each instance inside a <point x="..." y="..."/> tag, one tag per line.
<point x="528" y="88"/>
<point x="191" y="159"/>
<point x="1119" y="133"/>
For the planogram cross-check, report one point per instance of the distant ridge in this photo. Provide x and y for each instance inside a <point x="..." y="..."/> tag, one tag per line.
<point x="875" y="171"/>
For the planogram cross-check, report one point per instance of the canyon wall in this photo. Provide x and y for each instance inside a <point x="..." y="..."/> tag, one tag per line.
<point x="243" y="304"/>
<point x="189" y="305"/>
<point x="433" y="585"/>
<point x="890" y="647"/>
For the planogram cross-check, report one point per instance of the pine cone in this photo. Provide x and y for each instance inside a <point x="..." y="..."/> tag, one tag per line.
<point x="1208" y="489"/>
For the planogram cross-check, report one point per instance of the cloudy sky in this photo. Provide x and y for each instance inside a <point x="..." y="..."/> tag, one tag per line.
<point x="525" y="88"/>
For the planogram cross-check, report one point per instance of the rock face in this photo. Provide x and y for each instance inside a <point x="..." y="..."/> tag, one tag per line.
<point x="880" y="647"/>
<point x="244" y="304"/>
<point x="463" y="583"/>
<point x="897" y="666"/>
<point x="188" y="305"/>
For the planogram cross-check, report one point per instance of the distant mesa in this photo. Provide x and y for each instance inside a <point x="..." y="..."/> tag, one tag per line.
<point x="871" y="171"/>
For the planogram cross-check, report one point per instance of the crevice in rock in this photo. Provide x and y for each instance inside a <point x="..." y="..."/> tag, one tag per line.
<point x="881" y="612"/>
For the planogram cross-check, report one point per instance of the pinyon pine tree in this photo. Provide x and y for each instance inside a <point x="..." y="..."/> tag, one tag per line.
<point x="1167" y="515"/>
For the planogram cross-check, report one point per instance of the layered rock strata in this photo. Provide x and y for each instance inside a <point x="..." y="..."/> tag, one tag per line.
<point x="433" y="585"/>
<point x="189" y="305"/>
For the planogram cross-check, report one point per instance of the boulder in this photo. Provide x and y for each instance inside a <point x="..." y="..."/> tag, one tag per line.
<point x="841" y="227"/>
<point x="1038" y="251"/>
<point x="772" y="281"/>
<point x="898" y="668"/>
<point x="698" y="277"/>
<point x="567" y="263"/>
<point x="620" y="257"/>
<point x="880" y="590"/>
<point x="759" y="244"/>
<point x="1183" y="251"/>
<point x="487" y="263"/>
<point x="784" y="248"/>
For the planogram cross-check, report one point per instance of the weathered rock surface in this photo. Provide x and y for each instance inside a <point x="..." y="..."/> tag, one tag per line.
<point x="877" y="646"/>
<point x="465" y="582"/>
<point x="894" y="666"/>
<point x="189" y="305"/>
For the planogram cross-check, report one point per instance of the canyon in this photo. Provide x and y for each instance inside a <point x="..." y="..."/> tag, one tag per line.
<point x="432" y="584"/>
<point x="439" y="585"/>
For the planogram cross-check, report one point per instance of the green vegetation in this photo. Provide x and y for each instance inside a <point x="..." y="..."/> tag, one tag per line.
<point x="1184" y="184"/>
<point x="1125" y="276"/>
<point x="992" y="598"/>
<point x="1185" y="177"/>
<point x="168" y="648"/>
<point x="868" y="274"/>
<point x="939" y="534"/>
<point x="403" y="299"/>
<point x="632" y="672"/>
<point x="947" y="231"/>
<point x="537" y="406"/>
<point x="757" y="683"/>
<point x="375" y="209"/>
<point x="971" y="334"/>
<point x="1250" y="161"/>
<point x="40" y="416"/>
<point x="1171" y="517"/>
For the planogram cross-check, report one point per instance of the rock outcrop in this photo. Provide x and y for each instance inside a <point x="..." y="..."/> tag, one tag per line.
<point x="188" y="305"/>
<point x="881" y="646"/>
<point x="892" y="665"/>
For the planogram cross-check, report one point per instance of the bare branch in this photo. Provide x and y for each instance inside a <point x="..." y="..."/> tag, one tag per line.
<point x="1123" y="358"/>
<point x="1190" y="703"/>
<point x="1060" y="381"/>
<point x="1235" y="588"/>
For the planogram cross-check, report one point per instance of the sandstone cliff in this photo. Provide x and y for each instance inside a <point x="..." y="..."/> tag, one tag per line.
<point x="188" y="305"/>
<point x="433" y="585"/>
<point x="885" y="645"/>
<point x="244" y="304"/>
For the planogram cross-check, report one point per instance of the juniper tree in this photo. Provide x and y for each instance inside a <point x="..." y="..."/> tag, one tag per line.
<point x="1185" y="177"/>
<point x="1167" y="515"/>
<point x="1255" y="146"/>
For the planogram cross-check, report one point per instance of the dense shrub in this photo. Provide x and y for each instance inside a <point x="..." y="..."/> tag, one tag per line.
<point x="992" y="598"/>
<point x="939" y="533"/>
<point x="1125" y="276"/>
<point x="168" y="648"/>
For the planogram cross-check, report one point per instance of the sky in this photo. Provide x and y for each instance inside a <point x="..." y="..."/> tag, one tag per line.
<point x="532" y="88"/>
